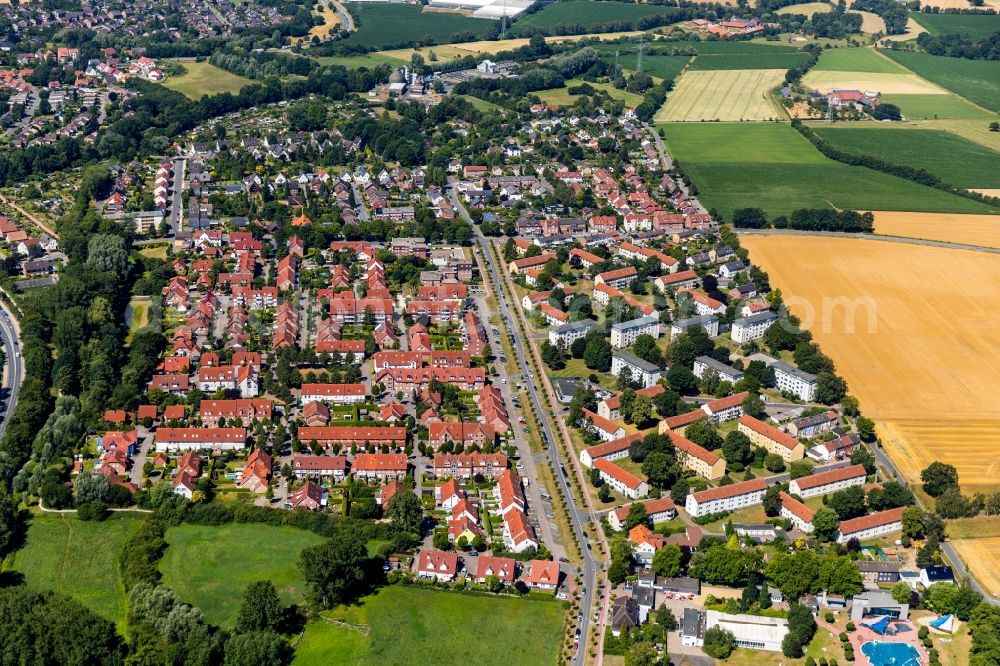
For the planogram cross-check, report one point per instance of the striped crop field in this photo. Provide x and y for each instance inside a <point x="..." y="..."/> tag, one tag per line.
<point x="733" y="94"/>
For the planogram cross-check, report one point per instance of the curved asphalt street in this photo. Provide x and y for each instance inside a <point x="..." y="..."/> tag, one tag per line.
<point x="14" y="369"/>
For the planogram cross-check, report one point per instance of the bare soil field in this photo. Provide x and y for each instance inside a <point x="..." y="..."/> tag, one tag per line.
<point x="982" y="556"/>
<point x="887" y="84"/>
<point x="950" y="227"/>
<point x="735" y="94"/>
<point x="915" y="331"/>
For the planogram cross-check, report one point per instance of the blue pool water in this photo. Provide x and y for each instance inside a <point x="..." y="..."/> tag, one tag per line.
<point x="891" y="654"/>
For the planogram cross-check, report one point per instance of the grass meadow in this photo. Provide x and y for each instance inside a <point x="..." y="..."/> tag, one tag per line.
<point x="955" y="160"/>
<point x="209" y="566"/>
<point x="398" y="623"/>
<point x="857" y="59"/>
<point x="971" y="25"/>
<point x="202" y="78"/>
<point x="772" y="167"/>
<point x="975" y="80"/>
<point x="79" y="559"/>
<point x="929" y="107"/>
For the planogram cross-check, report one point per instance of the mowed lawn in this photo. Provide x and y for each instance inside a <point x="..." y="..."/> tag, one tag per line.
<point x="733" y="94"/>
<point x="202" y="78"/>
<point x="954" y="160"/>
<point x="975" y="80"/>
<point x="857" y="59"/>
<point x="389" y="25"/>
<point x="209" y="566"/>
<point x="403" y="625"/>
<point x="773" y="167"/>
<point x="79" y="559"/>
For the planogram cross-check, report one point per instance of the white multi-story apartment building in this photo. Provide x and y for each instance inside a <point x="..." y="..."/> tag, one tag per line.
<point x="797" y="512"/>
<point x="753" y="327"/>
<point x="725" y="372"/>
<point x="621" y="481"/>
<point x="642" y="371"/>
<point x="796" y="382"/>
<point x="709" y="322"/>
<point x="726" y="498"/>
<point x="624" y="334"/>
<point x="871" y="526"/>
<point x="825" y="483"/>
<point x="567" y="334"/>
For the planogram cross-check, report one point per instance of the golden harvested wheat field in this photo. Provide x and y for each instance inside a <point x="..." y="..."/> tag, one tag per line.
<point x="887" y="84"/>
<point x="807" y="9"/>
<point x="982" y="556"/>
<point x="733" y="94"/>
<point x="915" y="330"/>
<point x="952" y="228"/>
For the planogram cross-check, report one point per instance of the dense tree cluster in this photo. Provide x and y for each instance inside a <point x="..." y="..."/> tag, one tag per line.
<point x="806" y="219"/>
<point x="961" y="46"/>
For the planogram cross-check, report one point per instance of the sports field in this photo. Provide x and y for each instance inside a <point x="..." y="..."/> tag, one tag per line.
<point x="389" y="25"/>
<point x="968" y="229"/>
<point x="913" y="330"/>
<point x="975" y="80"/>
<point x="79" y="559"/>
<point x="732" y="94"/>
<point x="587" y="14"/>
<point x="202" y="78"/>
<point x="857" y="59"/>
<point x="951" y="158"/>
<point x="982" y="556"/>
<point x="924" y="107"/>
<point x="209" y="566"/>
<point x="773" y="167"/>
<point x="402" y="625"/>
<point x="971" y="25"/>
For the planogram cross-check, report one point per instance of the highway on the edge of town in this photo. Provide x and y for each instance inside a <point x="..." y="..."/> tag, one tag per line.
<point x="14" y="366"/>
<point x="590" y="564"/>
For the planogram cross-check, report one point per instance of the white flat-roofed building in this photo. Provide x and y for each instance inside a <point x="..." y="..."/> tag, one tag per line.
<point x="709" y="322"/>
<point x="567" y="334"/>
<point x="794" y="381"/>
<point x="725" y="372"/>
<point x="624" y="334"/>
<point x="753" y="327"/>
<point x="726" y="498"/>
<point x="642" y="371"/>
<point x="754" y="632"/>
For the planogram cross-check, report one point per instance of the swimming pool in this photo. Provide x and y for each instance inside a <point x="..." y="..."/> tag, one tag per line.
<point x="891" y="654"/>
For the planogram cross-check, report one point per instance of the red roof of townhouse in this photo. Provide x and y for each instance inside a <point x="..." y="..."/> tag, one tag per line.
<point x="833" y="476"/>
<point x="537" y="260"/>
<point x="542" y="572"/>
<point x="769" y="431"/>
<point x="679" y="276"/>
<point x="706" y="300"/>
<point x="518" y="527"/>
<point x="732" y="490"/>
<point x="686" y="419"/>
<point x="652" y="507"/>
<point x="511" y="490"/>
<point x="616" y="472"/>
<point x="602" y="423"/>
<point x="201" y="435"/>
<point x="692" y="449"/>
<point x="872" y="520"/>
<point x="614" y="446"/>
<point x="618" y="273"/>
<point x="641" y="534"/>
<point x="307" y="463"/>
<point x="728" y="402"/>
<point x="501" y="567"/>
<point x="556" y="314"/>
<point x="459" y="432"/>
<point x="796" y="507"/>
<point x="379" y="462"/>
<point x="589" y="257"/>
<point x="438" y="561"/>
<point x="353" y="433"/>
<point x="333" y="390"/>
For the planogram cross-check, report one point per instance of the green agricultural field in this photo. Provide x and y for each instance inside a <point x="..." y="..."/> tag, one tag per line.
<point x="971" y="25"/>
<point x="79" y="559"/>
<point x="975" y="80"/>
<point x="721" y="47"/>
<point x="955" y="160"/>
<point x="202" y="78"/>
<point x="585" y="13"/>
<point x="929" y="107"/>
<point x="857" y="60"/>
<point x="661" y="66"/>
<point x="771" y="166"/>
<point x="209" y="566"/>
<point x="383" y="26"/>
<point x="400" y="624"/>
<point x="749" y="61"/>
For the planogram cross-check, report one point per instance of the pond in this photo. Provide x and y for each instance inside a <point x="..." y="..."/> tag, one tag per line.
<point x="891" y="654"/>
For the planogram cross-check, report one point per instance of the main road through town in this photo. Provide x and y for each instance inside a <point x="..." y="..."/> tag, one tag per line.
<point x="578" y="516"/>
<point x="14" y="370"/>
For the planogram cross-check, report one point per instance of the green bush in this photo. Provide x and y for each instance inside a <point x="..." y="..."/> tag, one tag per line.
<point x="851" y="627"/>
<point x="828" y="617"/>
